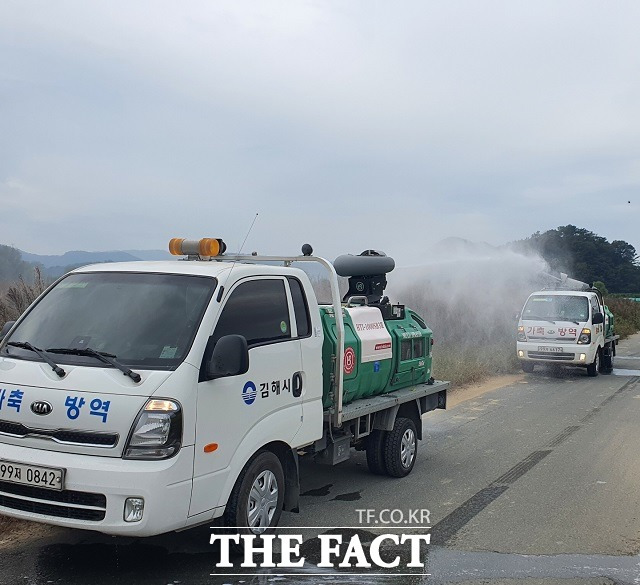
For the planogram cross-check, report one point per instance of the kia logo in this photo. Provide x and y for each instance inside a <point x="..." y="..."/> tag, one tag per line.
<point x="41" y="408"/>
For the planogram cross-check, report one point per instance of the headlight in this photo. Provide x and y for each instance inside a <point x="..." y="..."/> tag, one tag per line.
<point x="157" y="432"/>
<point x="521" y="335"/>
<point x="585" y="337"/>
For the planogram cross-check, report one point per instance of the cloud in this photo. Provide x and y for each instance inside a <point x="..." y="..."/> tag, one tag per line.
<point x="349" y="124"/>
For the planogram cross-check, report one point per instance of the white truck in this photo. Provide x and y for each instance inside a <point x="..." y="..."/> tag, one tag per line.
<point x="147" y="397"/>
<point x="569" y="327"/>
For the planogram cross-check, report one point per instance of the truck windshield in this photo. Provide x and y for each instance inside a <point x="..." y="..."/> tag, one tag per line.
<point x="556" y="308"/>
<point x="145" y="320"/>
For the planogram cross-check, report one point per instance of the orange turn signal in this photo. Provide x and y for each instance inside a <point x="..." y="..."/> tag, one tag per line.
<point x="211" y="447"/>
<point x="175" y="246"/>
<point x="209" y="247"/>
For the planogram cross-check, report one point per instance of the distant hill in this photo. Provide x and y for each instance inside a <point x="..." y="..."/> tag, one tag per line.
<point x="454" y="246"/>
<point x="150" y="254"/>
<point x="15" y="263"/>
<point x="12" y="266"/>
<point x="80" y="257"/>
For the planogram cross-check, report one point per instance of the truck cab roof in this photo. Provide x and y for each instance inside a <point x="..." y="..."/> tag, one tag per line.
<point x="564" y="292"/>
<point x="215" y="269"/>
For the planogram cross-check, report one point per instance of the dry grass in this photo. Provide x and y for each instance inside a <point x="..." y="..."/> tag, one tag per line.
<point x="474" y="334"/>
<point x="18" y="296"/>
<point x="626" y="314"/>
<point x="472" y="364"/>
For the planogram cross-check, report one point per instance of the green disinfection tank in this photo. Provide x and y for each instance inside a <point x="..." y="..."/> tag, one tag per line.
<point x="386" y="347"/>
<point x="609" y="322"/>
<point x="384" y="350"/>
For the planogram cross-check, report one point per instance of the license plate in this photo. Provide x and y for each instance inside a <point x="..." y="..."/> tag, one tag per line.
<point x="33" y="475"/>
<point x="548" y="349"/>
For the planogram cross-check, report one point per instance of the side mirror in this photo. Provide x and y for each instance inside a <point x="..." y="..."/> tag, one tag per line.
<point x="230" y="357"/>
<point x="598" y="318"/>
<point x="5" y="329"/>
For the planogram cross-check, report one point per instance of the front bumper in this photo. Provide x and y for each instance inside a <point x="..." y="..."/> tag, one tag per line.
<point x="570" y="354"/>
<point x="96" y="489"/>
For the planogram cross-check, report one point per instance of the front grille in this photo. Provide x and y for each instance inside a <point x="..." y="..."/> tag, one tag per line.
<point x="542" y="355"/>
<point x="554" y="339"/>
<point x="49" y="510"/>
<point x="63" y="436"/>
<point x="65" y="496"/>
<point x="52" y="503"/>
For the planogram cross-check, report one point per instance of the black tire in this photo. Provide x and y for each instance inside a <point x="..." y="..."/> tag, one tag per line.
<point x="527" y="367"/>
<point x="375" y="453"/>
<point x="607" y="360"/>
<point x="400" y="448"/>
<point x="266" y="474"/>
<point x="594" y="368"/>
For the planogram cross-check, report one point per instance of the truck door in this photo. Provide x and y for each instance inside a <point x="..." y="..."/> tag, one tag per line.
<point x="310" y="381"/>
<point x="238" y="415"/>
<point x="596" y="308"/>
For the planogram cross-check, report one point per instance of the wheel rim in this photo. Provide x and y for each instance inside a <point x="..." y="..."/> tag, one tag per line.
<point x="263" y="501"/>
<point x="408" y="448"/>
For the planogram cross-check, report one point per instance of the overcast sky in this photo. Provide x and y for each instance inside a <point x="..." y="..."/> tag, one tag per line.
<point x="347" y="124"/>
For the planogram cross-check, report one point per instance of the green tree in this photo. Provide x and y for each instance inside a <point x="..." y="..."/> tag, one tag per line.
<point x="587" y="257"/>
<point x="601" y="287"/>
<point x="626" y="251"/>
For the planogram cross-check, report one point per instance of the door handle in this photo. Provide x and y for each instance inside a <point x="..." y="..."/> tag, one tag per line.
<point x="296" y="384"/>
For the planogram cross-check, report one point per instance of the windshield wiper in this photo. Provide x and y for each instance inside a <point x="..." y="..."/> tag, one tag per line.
<point x="563" y="318"/>
<point x="26" y="345"/>
<point x="537" y="318"/>
<point x="107" y="358"/>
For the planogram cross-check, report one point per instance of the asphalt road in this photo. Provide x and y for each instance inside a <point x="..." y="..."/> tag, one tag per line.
<point x="536" y="482"/>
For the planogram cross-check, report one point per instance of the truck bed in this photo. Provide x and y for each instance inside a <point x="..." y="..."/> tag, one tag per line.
<point x="383" y="401"/>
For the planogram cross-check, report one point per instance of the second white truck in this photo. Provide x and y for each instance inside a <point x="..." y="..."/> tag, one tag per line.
<point x="567" y="326"/>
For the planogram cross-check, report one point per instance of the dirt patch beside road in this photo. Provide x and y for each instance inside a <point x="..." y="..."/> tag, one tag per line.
<point x="14" y="532"/>
<point x="469" y="392"/>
